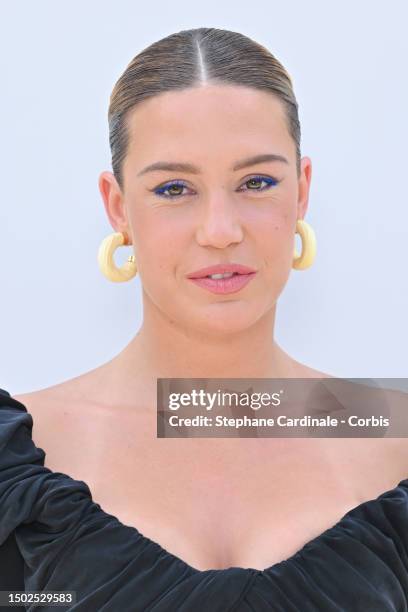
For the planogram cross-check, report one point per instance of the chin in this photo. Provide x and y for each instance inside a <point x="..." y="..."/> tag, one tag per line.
<point x="228" y="317"/>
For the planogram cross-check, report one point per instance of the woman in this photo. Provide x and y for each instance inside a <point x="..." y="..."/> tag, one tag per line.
<point x="207" y="172"/>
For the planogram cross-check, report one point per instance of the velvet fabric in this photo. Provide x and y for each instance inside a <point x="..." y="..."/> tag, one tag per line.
<point x="53" y="536"/>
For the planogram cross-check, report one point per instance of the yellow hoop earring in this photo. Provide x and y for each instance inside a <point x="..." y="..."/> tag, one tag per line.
<point x="307" y="235"/>
<point x="106" y="262"/>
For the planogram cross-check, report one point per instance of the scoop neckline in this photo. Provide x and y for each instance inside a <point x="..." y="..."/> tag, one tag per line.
<point x="310" y="543"/>
<point x="162" y="551"/>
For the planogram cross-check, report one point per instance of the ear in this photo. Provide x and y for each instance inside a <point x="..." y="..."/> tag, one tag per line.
<point x="304" y="186"/>
<point x="113" y="200"/>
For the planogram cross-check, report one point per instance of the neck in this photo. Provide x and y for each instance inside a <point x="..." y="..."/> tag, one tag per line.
<point x="165" y="349"/>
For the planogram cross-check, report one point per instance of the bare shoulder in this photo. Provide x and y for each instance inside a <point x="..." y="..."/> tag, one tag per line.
<point x="61" y="414"/>
<point x="47" y="413"/>
<point x="47" y="402"/>
<point x="37" y="403"/>
<point x="304" y="371"/>
<point x="66" y="394"/>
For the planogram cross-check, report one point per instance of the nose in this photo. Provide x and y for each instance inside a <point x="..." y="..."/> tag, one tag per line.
<point x="220" y="225"/>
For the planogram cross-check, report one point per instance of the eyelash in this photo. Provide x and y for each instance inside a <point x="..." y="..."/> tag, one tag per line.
<point x="271" y="181"/>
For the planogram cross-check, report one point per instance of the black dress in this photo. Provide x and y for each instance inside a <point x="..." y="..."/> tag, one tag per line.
<point x="54" y="537"/>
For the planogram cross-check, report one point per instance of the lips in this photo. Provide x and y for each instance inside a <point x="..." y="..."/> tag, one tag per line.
<point x="221" y="269"/>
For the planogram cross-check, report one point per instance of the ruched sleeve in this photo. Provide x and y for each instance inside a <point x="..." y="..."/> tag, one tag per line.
<point x="41" y="511"/>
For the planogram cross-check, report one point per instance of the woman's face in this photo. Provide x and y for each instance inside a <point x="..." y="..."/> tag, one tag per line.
<point x="180" y="220"/>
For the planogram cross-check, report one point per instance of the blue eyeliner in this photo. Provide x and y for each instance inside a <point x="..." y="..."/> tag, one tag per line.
<point x="160" y="191"/>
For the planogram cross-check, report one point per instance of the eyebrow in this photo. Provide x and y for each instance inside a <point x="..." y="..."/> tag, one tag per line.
<point x="186" y="167"/>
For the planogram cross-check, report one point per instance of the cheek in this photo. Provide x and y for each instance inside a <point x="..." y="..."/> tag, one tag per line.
<point x="277" y="240"/>
<point x="277" y="232"/>
<point x="158" y="253"/>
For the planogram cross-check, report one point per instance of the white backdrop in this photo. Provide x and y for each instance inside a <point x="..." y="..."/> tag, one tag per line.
<point x="346" y="315"/>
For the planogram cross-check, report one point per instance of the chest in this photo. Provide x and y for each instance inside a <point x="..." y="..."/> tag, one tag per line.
<point x="218" y="503"/>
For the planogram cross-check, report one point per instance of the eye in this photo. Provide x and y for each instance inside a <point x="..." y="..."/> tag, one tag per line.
<point x="253" y="180"/>
<point x="174" y="193"/>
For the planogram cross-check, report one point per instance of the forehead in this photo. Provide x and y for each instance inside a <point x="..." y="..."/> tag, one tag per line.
<point x="206" y="118"/>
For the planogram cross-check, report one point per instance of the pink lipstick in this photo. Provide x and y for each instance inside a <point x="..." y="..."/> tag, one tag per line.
<point x="238" y="277"/>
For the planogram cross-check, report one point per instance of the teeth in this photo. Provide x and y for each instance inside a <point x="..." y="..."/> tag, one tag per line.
<point x="218" y="276"/>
